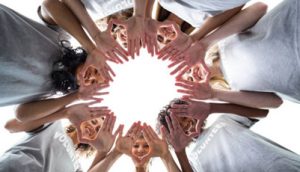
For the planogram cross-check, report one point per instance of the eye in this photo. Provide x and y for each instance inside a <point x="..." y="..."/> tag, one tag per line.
<point x="94" y="121"/>
<point x="136" y="146"/>
<point x="160" y="38"/>
<point x="190" y="79"/>
<point x="146" y="146"/>
<point x="168" y="41"/>
<point x="97" y="128"/>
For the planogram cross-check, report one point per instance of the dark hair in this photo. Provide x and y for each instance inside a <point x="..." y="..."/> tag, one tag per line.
<point x="161" y="119"/>
<point x="64" y="69"/>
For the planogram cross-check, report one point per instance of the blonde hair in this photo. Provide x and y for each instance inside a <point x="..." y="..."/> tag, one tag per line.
<point x="212" y="59"/>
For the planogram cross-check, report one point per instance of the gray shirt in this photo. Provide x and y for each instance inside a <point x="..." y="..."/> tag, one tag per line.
<point x="47" y="149"/>
<point x="27" y="52"/>
<point x="228" y="145"/>
<point x="266" y="57"/>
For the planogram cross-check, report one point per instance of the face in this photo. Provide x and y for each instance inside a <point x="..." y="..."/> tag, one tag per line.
<point x="187" y="124"/>
<point x="121" y="35"/>
<point x="91" y="128"/>
<point x="91" y="76"/>
<point x="195" y="74"/>
<point x="140" y="148"/>
<point x="165" y="35"/>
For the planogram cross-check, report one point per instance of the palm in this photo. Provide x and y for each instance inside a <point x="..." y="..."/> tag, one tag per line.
<point x="193" y="90"/>
<point x="195" y="54"/>
<point x="124" y="145"/>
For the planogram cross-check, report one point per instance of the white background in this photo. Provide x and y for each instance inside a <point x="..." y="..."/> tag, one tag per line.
<point x="143" y="86"/>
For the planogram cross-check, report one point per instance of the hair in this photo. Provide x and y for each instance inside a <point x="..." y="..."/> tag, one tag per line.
<point x="64" y="69"/>
<point x="81" y="148"/>
<point x="212" y="58"/>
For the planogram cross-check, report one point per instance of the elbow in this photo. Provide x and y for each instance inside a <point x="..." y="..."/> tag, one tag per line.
<point x="11" y="126"/>
<point x="21" y="113"/>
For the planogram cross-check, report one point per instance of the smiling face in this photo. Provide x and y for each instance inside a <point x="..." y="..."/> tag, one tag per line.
<point x="120" y="35"/>
<point x="91" y="76"/>
<point x="91" y="128"/>
<point x="140" y="149"/>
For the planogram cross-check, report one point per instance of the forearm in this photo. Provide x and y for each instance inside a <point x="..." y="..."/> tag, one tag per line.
<point x="14" y="126"/>
<point x="149" y="8"/>
<point x="184" y="161"/>
<point x="140" y="7"/>
<point x="85" y="19"/>
<point x="249" y="98"/>
<point x="106" y="163"/>
<point x="98" y="158"/>
<point x="39" y="109"/>
<point x="243" y="20"/>
<point x="170" y="163"/>
<point x="65" y="18"/>
<point x="238" y="110"/>
<point x="214" y="22"/>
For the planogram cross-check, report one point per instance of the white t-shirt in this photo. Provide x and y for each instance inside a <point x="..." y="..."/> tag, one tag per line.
<point x="48" y="149"/>
<point x="266" y="57"/>
<point x="228" y="145"/>
<point x="102" y="8"/>
<point x="196" y="11"/>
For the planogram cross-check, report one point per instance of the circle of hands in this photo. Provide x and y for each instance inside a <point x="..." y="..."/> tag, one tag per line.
<point x="182" y="54"/>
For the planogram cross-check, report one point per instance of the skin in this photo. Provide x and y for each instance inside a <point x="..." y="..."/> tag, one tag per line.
<point x="140" y="149"/>
<point x="91" y="128"/>
<point x="165" y="35"/>
<point x="91" y="76"/>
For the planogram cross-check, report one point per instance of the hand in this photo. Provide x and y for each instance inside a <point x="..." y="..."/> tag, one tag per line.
<point x="124" y="143"/>
<point x="193" y="109"/>
<point x="150" y="34"/>
<point x="106" y="44"/>
<point x="83" y="112"/>
<point x="177" y="138"/>
<point x="158" y="147"/>
<point x="88" y="92"/>
<point x="97" y="60"/>
<point x="193" y="55"/>
<point x="105" y="139"/>
<point x="194" y="90"/>
<point x="135" y="31"/>
<point x="177" y="46"/>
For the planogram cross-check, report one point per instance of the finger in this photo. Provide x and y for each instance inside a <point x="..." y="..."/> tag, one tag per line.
<point x="101" y="93"/>
<point x="179" y="106"/>
<point x="180" y="114"/>
<point x="164" y="133"/>
<point x="119" y="131"/>
<point x="106" y="122"/>
<point x="112" y="123"/>
<point x="183" y="71"/>
<point x="114" y="56"/>
<point x="184" y="85"/>
<point x="178" y="110"/>
<point x="121" y="52"/>
<point x="152" y="132"/>
<point x="182" y="65"/>
<point x="138" y="46"/>
<point x="129" y="42"/>
<point x="147" y="135"/>
<point x="163" y="51"/>
<point x="170" y="125"/>
<point x="174" y="63"/>
<point x="189" y="92"/>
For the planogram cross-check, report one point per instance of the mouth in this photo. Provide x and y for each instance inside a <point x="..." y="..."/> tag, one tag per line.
<point x="89" y="131"/>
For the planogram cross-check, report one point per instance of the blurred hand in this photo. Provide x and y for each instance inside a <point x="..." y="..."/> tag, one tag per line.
<point x="97" y="60"/>
<point x="105" y="138"/>
<point x="135" y="34"/>
<point x="158" y="147"/>
<point x="83" y="112"/>
<point x="124" y="143"/>
<point x="193" y="109"/>
<point x="150" y="34"/>
<point x="175" y="48"/>
<point x="193" y="55"/>
<point x="88" y="92"/>
<point x="177" y="138"/>
<point x="194" y="90"/>
<point x="111" y="49"/>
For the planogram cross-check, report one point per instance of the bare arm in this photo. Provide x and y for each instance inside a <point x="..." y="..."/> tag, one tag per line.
<point x="14" y="126"/>
<point x="42" y="108"/>
<point x="184" y="161"/>
<point x="106" y="163"/>
<point x="65" y="18"/>
<point x="214" y="22"/>
<point x="170" y="163"/>
<point x="249" y="98"/>
<point x="243" y="20"/>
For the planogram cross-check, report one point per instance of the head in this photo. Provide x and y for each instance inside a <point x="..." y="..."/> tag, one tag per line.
<point x="89" y="130"/>
<point x="119" y="33"/>
<point x="187" y="124"/>
<point x="140" y="149"/>
<point x="165" y="35"/>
